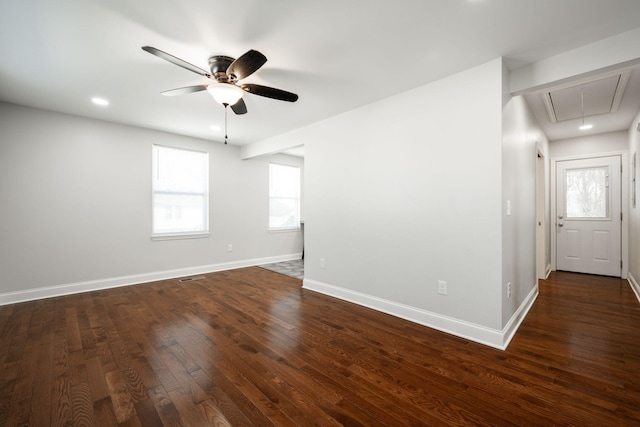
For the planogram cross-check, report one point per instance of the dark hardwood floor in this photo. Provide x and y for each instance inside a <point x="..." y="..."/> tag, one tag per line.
<point x="250" y="347"/>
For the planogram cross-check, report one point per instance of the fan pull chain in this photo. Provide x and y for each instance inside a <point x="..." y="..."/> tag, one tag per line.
<point x="225" y="123"/>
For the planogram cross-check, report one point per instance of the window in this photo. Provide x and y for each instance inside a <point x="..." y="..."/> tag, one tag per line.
<point x="180" y="192"/>
<point x="284" y="197"/>
<point x="587" y="193"/>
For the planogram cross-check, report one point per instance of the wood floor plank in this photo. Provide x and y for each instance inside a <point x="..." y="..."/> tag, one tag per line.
<point x="105" y="415"/>
<point x="82" y="406"/>
<point x="147" y="413"/>
<point x="121" y="400"/>
<point x="73" y="330"/>
<point x="225" y="397"/>
<point x="61" y="402"/>
<point x="189" y="413"/>
<point x="136" y="388"/>
<point x="249" y="347"/>
<point x="17" y="334"/>
<point x="23" y="373"/>
<point x="167" y="380"/>
<point x="96" y="379"/>
<point x="148" y="377"/>
<point x="187" y="384"/>
<point x="212" y="414"/>
<point x="41" y="402"/>
<point x="18" y="413"/>
<point x="164" y="406"/>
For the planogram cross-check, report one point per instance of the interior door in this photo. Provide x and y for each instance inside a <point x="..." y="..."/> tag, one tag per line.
<point x="588" y="222"/>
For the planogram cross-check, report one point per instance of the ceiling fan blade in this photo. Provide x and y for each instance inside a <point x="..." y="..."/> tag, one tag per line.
<point x="239" y="107"/>
<point x="270" y="92"/>
<point x="177" y="61"/>
<point x="183" y="90"/>
<point x="246" y="65"/>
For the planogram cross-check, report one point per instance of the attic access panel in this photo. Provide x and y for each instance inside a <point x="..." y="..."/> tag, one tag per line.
<point x="601" y="96"/>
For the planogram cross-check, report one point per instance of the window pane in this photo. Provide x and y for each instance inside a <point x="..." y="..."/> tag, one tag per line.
<point x="180" y="170"/>
<point x="282" y="213"/>
<point x="284" y="196"/>
<point x="178" y="213"/>
<point x="586" y="193"/>
<point x="285" y="181"/>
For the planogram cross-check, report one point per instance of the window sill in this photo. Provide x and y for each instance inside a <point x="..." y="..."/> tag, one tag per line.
<point x="180" y="236"/>
<point x="284" y="230"/>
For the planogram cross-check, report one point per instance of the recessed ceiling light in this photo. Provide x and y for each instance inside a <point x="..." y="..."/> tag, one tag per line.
<point x="100" y="101"/>
<point x="585" y="127"/>
<point x="215" y="128"/>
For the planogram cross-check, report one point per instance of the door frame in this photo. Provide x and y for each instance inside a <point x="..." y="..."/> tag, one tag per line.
<point x="543" y="265"/>
<point x="624" y="201"/>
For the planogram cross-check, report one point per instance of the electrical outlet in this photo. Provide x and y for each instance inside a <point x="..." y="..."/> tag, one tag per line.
<point x="322" y="263"/>
<point x="508" y="290"/>
<point x="229" y="247"/>
<point x="442" y="287"/>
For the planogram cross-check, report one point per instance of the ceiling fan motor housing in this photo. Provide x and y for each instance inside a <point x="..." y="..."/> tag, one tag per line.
<point x="218" y="66"/>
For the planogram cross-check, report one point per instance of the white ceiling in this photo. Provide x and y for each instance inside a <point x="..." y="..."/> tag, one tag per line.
<point x="336" y="55"/>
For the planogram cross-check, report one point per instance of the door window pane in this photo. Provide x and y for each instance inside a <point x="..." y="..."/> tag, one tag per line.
<point x="587" y="193"/>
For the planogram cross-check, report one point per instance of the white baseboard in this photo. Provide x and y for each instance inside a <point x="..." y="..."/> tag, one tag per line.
<point x="548" y="271"/>
<point x="471" y="331"/>
<point x="634" y="285"/>
<point x="514" y="323"/>
<point x="115" y="282"/>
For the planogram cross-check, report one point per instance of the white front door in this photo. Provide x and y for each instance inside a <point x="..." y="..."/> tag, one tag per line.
<point x="588" y="223"/>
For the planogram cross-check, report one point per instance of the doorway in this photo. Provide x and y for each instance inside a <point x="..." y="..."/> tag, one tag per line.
<point x="588" y="215"/>
<point x="542" y="259"/>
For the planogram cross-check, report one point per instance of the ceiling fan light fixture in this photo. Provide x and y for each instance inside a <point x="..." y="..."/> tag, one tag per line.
<point x="225" y="93"/>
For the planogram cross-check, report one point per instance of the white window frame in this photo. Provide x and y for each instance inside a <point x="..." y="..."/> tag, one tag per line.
<point x="297" y="199"/>
<point x="179" y="234"/>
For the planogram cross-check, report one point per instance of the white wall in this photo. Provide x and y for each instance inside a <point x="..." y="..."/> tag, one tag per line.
<point x="406" y="191"/>
<point x="591" y="144"/>
<point x="522" y="135"/>
<point x="76" y="207"/>
<point x="634" y="213"/>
